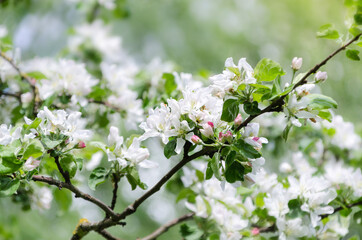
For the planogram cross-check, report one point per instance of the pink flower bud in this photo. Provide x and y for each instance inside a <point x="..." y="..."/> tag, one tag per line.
<point x="226" y="137"/>
<point x="255" y="231"/>
<point x="297" y="63"/>
<point x="211" y="124"/>
<point x="238" y="120"/>
<point x="195" y="139"/>
<point x="81" y="144"/>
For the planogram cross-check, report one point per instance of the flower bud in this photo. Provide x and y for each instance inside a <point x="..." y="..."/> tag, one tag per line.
<point x="81" y="144"/>
<point x="26" y="98"/>
<point x="320" y="76"/>
<point x="238" y="120"/>
<point x="31" y="164"/>
<point x="297" y="63"/>
<point x="195" y="139"/>
<point x="226" y="137"/>
<point x="255" y="231"/>
<point x="208" y="129"/>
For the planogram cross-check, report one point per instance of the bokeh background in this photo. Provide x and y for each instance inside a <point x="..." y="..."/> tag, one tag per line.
<point x="197" y="35"/>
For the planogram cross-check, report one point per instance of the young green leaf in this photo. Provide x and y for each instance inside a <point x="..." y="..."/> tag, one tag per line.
<point x="327" y="31"/>
<point x="353" y="55"/>
<point x="8" y="186"/>
<point x="98" y="176"/>
<point x="230" y="110"/>
<point x="170" y="83"/>
<point x="267" y="70"/>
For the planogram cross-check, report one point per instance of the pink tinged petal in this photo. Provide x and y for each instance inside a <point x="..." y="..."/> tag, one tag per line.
<point x="211" y="124"/>
<point x="195" y="139"/>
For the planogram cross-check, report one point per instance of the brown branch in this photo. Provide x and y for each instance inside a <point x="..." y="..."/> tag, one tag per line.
<point x="115" y="189"/>
<point x="62" y="172"/>
<point x="133" y="207"/>
<point x="278" y="103"/>
<point x="14" y="95"/>
<point x="107" y="235"/>
<point x="76" y="191"/>
<point x="165" y="227"/>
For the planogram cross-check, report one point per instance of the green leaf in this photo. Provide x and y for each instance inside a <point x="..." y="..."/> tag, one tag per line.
<point x="68" y="163"/>
<point x="230" y="110"/>
<point x="353" y="55"/>
<point x="320" y="102"/>
<point x="8" y="166"/>
<point x="63" y="199"/>
<point x="185" y="193"/>
<point x="230" y="158"/>
<point x="251" y="108"/>
<point x="345" y="212"/>
<point x="169" y="149"/>
<point x="34" y="149"/>
<point x="259" y="200"/>
<point x="37" y="75"/>
<point x="294" y="204"/>
<point x="235" y="172"/>
<point x="215" y="165"/>
<point x="209" y="173"/>
<point x="50" y="143"/>
<point x="244" y="191"/>
<point x="134" y="179"/>
<point x="8" y="186"/>
<point x="97" y="177"/>
<point x="34" y="124"/>
<point x="267" y="70"/>
<point x="170" y="83"/>
<point x="358" y="17"/>
<point x="325" y="114"/>
<point x="328" y="31"/>
<point x="246" y="149"/>
<point x="286" y="131"/>
<point x="79" y="162"/>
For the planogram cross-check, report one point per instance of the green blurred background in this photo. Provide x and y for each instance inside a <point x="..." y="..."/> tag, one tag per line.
<point x="198" y="35"/>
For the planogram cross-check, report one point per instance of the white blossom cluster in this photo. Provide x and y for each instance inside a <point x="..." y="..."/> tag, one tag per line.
<point x="62" y="77"/>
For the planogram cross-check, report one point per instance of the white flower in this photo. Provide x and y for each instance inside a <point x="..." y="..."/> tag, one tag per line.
<point x="59" y="121"/>
<point x="8" y="134"/>
<point x="304" y="89"/>
<point x="297" y="63"/>
<point x="232" y="77"/>
<point x="31" y="164"/>
<point x="26" y="97"/>
<point x="251" y="136"/>
<point x="285" y="167"/>
<point x="320" y="76"/>
<point x="277" y="201"/>
<point x="199" y="208"/>
<point x="94" y="161"/>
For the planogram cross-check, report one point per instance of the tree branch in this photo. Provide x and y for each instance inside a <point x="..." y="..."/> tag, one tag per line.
<point x="76" y="191"/>
<point x="133" y="207"/>
<point x="341" y="208"/>
<point x="280" y="101"/>
<point x="107" y="235"/>
<point x="205" y="151"/>
<point x="115" y="189"/>
<point x="165" y="227"/>
<point x="64" y="174"/>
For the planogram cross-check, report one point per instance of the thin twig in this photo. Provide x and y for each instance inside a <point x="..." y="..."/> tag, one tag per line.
<point x="24" y="77"/>
<point x="164" y="228"/>
<point x="14" y="95"/>
<point x="76" y="191"/>
<point x="341" y="208"/>
<point x="107" y="235"/>
<point x="278" y="103"/>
